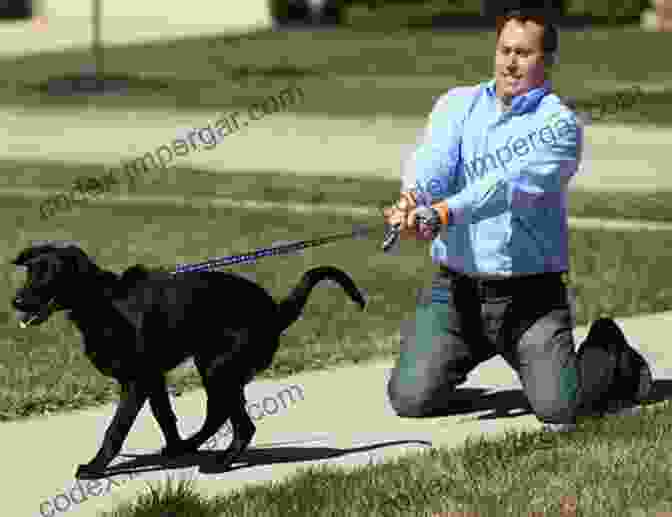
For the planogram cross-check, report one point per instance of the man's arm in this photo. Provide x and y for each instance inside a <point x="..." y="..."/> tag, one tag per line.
<point x="547" y="170"/>
<point x="432" y="164"/>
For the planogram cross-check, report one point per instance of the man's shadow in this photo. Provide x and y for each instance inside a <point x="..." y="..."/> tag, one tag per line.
<point x="514" y="403"/>
<point x="500" y="404"/>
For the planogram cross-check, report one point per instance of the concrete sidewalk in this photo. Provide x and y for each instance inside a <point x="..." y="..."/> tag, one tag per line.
<point x="60" y="25"/>
<point x="615" y="157"/>
<point x="317" y="424"/>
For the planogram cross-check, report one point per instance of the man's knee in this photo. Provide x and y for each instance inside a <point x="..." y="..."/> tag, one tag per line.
<point x="410" y="403"/>
<point x="555" y="412"/>
<point x="550" y="373"/>
<point x="409" y="407"/>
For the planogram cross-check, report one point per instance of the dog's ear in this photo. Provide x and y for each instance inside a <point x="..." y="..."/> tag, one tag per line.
<point x="38" y="248"/>
<point x="78" y="260"/>
<point x="31" y="253"/>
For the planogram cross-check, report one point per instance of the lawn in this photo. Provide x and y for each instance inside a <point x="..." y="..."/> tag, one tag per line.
<point x="348" y="72"/>
<point x="619" y="273"/>
<point x="280" y="187"/>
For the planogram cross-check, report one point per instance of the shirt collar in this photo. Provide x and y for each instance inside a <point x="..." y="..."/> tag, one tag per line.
<point x="522" y="103"/>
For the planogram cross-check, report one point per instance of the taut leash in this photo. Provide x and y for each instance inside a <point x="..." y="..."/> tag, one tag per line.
<point x="252" y="256"/>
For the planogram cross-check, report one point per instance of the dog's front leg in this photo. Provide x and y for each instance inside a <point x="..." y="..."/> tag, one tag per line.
<point x="133" y="396"/>
<point x="159" y="402"/>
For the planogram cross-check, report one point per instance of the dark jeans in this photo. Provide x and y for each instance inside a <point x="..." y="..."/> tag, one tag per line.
<point x="455" y="329"/>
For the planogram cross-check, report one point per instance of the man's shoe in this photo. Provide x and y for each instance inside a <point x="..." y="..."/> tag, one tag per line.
<point x="558" y="428"/>
<point x="632" y="380"/>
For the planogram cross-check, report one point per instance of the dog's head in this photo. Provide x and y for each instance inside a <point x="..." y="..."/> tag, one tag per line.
<point x="53" y="272"/>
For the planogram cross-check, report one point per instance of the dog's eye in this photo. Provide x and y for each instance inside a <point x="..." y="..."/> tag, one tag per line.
<point x="34" y="273"/>
<point x="39" y="268"/>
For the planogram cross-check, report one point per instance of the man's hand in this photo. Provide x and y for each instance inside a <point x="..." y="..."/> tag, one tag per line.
<point x="423" y="222"/>
<point x="403" y="213"/>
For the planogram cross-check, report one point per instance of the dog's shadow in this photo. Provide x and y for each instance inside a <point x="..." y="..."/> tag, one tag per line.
<point x="207" y="463"/>
<point x="500" y="404"/>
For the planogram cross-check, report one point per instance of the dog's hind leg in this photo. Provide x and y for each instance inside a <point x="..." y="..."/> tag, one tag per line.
<point x="243" y="432"/>
<point x="133" y="397"/>
<point x="219" y="384"/>
<point x="217" y="413"/>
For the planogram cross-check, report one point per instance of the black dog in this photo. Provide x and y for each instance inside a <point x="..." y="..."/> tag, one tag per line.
<point x="140" y="325"/>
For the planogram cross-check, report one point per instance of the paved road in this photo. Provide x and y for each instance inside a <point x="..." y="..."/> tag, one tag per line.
<point x="616" y="157"/>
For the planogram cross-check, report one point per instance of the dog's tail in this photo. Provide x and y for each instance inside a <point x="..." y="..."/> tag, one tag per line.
<point x="290" y="308"/>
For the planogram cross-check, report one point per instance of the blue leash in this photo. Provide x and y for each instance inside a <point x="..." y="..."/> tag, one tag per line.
<point x="252" y="256"/>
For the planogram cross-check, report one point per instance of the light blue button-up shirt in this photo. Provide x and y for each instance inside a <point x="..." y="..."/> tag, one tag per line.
<point x="504" y="176"/>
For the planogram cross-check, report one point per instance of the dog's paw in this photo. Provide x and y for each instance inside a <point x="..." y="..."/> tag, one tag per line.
<point x="229" y="456"/>
<point x="89" y="471"/>
<point x="176" y="449"/>
<point x="226" y="459"/>
<point x="171" y="450"/>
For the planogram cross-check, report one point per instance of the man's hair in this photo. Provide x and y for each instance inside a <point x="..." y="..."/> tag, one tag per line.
<point x="539" y="16"/>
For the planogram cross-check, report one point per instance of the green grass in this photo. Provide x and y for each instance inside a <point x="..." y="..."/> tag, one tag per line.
<point x="272" y="186"/>
<point x="612" y="467"/>
<point x="344" y="72"/>
<point x="619" y="273"/>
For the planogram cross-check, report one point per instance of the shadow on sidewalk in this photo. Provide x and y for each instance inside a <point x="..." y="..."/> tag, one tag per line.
<point x="513" y="403"/>
<point x="253" y="456"/>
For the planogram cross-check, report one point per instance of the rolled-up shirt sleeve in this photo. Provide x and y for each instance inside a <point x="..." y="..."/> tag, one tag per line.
<point x="431" y="166"/>
<point x="542" y="173"/>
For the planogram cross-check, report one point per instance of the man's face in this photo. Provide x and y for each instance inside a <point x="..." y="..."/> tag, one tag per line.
<point x="519" y="59"/>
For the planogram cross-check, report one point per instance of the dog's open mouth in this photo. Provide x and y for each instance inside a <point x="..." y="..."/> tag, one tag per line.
<point x="27" y="319"/>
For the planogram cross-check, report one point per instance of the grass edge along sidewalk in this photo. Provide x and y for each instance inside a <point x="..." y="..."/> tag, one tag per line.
<point x="486" y="476"/>
<point x="97" y="186"/>
<point x="92" y="486"/>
